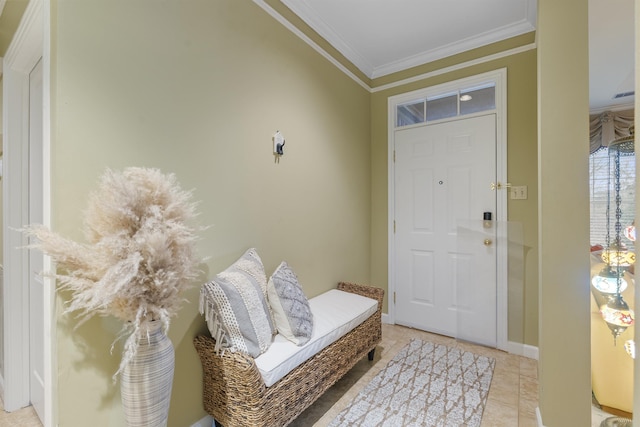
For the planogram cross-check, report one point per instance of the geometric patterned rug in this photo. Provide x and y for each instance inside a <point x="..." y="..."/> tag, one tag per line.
<point x="425" y="384"/>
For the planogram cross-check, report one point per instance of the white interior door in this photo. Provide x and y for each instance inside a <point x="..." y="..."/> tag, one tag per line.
<point x="445" y="260"/>
<point x="36" y="288"/>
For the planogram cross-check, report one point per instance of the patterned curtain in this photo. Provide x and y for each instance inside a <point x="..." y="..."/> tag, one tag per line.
<point x="607" y="126"/>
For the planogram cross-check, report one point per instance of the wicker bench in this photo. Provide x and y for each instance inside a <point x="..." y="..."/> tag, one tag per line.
<point x="234" y="393"/>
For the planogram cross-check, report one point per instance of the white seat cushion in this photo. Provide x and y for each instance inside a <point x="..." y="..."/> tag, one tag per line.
<point x="335" y="313"/>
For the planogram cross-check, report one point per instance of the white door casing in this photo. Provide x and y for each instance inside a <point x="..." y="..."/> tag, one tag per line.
<point x="500" y="219"/>
<point x="29" y="46"/>
<point x="35" y="257"/>
<point x="445" y="258"/>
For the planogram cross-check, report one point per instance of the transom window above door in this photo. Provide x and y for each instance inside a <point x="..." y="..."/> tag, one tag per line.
<point x="447" y="105"/>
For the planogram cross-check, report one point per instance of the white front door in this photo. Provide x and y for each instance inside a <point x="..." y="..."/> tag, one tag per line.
<point x="36" y="288"/>
<point x="445" y="258"/>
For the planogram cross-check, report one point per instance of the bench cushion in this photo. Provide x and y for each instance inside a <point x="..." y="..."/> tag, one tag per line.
<point x="335" y="313"/>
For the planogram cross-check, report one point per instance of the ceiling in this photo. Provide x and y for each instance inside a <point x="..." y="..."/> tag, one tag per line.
<point x="381" y="36"/>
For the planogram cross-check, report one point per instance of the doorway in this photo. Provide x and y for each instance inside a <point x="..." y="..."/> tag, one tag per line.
<point x="447" y="207"/>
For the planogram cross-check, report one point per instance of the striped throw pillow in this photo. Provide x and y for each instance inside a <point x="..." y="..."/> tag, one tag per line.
<point x="235" y="307"/>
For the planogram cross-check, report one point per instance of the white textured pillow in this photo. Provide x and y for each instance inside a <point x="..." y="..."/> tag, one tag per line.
<point x="235" y="307"/>
<point x="289" y="305"/>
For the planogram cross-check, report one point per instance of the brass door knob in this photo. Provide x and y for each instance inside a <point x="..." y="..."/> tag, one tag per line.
<point x="487" y="242"/>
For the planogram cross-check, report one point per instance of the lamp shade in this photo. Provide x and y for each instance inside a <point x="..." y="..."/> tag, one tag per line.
<point x="608" y="281"/>
<point x="617" y="314"/>
<point x="618" y="256"/>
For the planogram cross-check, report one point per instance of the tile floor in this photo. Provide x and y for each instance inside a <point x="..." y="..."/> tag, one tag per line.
<point x="512" y="398"/>
<point x="25" y="417"/>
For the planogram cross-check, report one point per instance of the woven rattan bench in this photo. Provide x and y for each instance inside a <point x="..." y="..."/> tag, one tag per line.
<point x="234" y="393"/>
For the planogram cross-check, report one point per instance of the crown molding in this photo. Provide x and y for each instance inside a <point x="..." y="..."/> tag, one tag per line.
<point x="456" y="67"/>
<point x="310" y="17"/>
<point x="295" y="30"/>
<point x="464" y="45"/>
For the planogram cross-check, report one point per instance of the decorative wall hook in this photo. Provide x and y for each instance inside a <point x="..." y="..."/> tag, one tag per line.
<point x="278" y="144"/>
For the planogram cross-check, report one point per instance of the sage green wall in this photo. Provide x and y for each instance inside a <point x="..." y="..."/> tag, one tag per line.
<point x="198" y="88"/>
<point x="521" y="151"/>
<point x="9" y="21"/>
<point x="564" y="364"/>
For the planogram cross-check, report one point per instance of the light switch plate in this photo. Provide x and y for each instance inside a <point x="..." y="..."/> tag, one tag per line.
<point x="519" y="192"/>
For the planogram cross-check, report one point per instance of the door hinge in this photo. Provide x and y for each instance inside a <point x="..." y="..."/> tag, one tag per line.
<point x="394" y="226"/>
<point x="394" y="297"/>
<point x="394" y="156"/>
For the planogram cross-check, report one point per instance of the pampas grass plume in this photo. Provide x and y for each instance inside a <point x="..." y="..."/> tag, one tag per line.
<point x="139" y="256"/>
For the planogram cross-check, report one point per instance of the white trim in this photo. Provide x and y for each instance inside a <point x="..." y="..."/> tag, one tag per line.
<point x="25" y="50"/>
<point x="204" y="422"/>
<point x="502" y="277"/>
<point x="524" y="350"/>
<point x="50" y="362"/>
<point x="392" y="103"/>
<point x="288" y="25"/>
<point x="456" y="67"/>
<point x="311" y="18"/>
<point x="461" y="46"/>
<point x="539" y="417"/>
<point x="500" y="78"/>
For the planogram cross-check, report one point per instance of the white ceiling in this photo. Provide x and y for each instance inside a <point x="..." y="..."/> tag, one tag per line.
<point x="382" y="36"/>
<point x="611" y="53"/>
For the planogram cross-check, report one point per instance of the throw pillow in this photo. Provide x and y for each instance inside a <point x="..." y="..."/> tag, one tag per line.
<point x="290" y="307"/>
<point x="235" y="307"/>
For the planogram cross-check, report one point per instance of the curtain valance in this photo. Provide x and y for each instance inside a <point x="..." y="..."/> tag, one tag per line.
<point x="607" y="126"/>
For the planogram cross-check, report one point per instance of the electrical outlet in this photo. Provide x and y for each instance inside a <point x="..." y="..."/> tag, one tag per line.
<point x="519" y="193"/>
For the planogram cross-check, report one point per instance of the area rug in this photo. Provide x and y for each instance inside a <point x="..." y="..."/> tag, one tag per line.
<point x="425" y="384"/>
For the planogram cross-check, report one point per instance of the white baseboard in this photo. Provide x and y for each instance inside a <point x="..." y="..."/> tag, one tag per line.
<point x="205" y="422"/>
<point x="539" y="417"/>
<point x="520" y="349"/>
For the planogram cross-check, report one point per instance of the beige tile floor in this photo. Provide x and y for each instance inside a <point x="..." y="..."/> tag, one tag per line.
<point x="25" y="417"/>
<point x="512" y="398"/>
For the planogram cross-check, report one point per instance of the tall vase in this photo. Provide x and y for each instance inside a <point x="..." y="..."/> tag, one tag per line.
<point x="146" y="381"/>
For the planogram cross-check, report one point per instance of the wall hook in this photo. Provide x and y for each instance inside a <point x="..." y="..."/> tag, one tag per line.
<point x="278" y="144"/>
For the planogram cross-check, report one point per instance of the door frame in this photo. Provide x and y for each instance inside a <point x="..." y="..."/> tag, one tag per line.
<point x="30" y="43"/>
<point x="499" y="77"/>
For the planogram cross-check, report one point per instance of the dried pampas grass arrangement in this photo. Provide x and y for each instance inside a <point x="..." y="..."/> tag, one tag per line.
<point x="140" y="254"/>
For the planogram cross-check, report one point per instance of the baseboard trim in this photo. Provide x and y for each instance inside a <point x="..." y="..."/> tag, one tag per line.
<point x="539" y="417"/>
<point x="204" y="422"/>
<point x="525" y="350"/>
